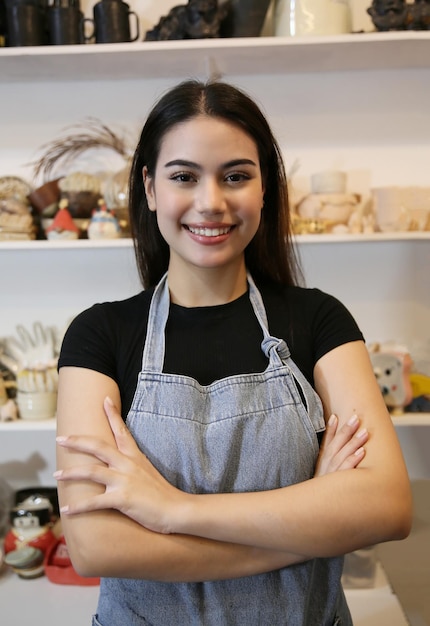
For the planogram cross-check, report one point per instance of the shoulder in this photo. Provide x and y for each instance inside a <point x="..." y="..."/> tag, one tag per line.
<point x="311" y="321"/>
<point x="311" y="302"/>
<point x="104" y="330"/>
<point x="113" y="314"/>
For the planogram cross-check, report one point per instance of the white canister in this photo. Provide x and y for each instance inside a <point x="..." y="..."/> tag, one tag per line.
<point x="37" y="405"/>
<point x="312" y="17"/>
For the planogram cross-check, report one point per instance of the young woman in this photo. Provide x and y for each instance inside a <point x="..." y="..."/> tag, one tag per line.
<point x="193" y="475"/>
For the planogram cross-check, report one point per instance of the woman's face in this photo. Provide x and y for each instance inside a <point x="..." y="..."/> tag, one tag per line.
<point x="207" y="191"/>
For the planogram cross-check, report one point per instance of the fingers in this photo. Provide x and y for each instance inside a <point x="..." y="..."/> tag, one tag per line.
<point x="339" y="437"/>
<point x="331" y="429"/>
<point x="96" y="503"/>
<point x="95" y="473"/>
<point x="93" y="446"/>
<point x="123" y="438"/>
<point x="114" y="493"/>
<point x="341" y="448"/>
<point x="353" y="460"/>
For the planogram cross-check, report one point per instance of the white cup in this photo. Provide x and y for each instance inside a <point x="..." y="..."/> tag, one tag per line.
<point x="37" y="405"/>
<point x="312" y="17"/>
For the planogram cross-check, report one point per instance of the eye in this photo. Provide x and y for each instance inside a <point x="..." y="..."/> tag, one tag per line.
<point x="237" y="177"/>
<point x="183" y="177"/>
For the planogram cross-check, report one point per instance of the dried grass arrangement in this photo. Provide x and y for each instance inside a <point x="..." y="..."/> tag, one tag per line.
<point x="89" y="134"/>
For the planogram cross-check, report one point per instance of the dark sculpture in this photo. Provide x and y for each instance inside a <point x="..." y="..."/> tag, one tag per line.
<point x="389" y="14"/>
<point x="400" y="15"/>
<point x="199" y="19"/>
<point x="420" y="15"/>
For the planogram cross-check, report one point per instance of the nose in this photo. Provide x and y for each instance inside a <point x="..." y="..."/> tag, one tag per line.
<point x="210" y="196"/>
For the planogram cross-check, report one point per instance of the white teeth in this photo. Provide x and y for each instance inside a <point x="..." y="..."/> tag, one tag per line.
<point x="209" y="232"/>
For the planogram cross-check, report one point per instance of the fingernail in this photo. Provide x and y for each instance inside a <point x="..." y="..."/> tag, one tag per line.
<point x="352" y="420"/>
<point x="361" y="433"/>
<point x="61" y="439"/>
<point x="58" y="473"/>
<point x="64" y="509"/>
<point x="108" y="400"/>
<point x="332" y="419"/>
<point x="359" y="452"/>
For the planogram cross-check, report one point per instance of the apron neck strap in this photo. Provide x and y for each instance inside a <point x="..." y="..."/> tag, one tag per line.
<point x="153" y="353"/>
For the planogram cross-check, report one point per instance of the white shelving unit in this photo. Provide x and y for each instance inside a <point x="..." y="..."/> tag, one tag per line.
<point x="242" y="56"/>
<point x="357" y="102"/>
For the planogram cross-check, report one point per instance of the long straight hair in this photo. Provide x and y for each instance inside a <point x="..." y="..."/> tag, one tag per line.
<point x="270" y="256"/>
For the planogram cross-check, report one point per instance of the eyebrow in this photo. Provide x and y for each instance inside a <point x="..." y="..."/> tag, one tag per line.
<point x="232" y="163"/>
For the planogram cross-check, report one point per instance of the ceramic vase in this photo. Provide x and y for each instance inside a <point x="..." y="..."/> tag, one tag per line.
<point x="312" y="17"/>
<point x="245" y="18"/>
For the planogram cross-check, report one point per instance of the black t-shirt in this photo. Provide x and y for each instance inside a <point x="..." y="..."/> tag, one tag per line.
<point x="207" y="343"/>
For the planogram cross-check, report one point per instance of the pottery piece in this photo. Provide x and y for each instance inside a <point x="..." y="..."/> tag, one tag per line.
<point x="400" y="209"/>
<point x="312" y="17"/>
<point x="37" y="405"/>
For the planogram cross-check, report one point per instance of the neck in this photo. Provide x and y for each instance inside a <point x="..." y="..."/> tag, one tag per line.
<point x="208" y="286"/>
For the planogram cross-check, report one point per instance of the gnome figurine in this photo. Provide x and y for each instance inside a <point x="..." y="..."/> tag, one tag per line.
<point x="63" y="226"/>
<point x="103" y="224"/>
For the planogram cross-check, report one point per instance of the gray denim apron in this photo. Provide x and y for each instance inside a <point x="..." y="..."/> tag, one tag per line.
<point x="249" y="432"/>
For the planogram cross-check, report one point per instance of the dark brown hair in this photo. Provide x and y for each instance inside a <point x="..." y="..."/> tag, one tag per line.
<point x="270" y="256"/>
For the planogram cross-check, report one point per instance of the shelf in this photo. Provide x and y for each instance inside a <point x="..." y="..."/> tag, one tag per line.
<point x="21" y="426"/>
<point x="216" y="57"/>
<point x="127" y="243"/>
<point x="57" y="603"/>
<point x="67" y="244"/>
<point x="361" y="237"/>
<point x="412" y="419"/>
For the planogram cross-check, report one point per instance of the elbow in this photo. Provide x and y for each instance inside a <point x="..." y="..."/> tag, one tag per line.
<point x="85" y="545"/>
<point x="404" y="523"/>
<point x="84" y="558"/>
<point x="400" y="516"/>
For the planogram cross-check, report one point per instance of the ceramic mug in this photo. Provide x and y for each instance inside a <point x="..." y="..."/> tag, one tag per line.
<point x="65" y="25"/>
<point x="26" y="25"/>
<point x="112" y="22"/>
<point x="312" y="17"/>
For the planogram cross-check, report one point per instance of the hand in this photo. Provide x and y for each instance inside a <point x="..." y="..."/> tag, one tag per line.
<point x="341" y="448"/>
<point x="30" y="351"/>
<point x="132" y="485"/>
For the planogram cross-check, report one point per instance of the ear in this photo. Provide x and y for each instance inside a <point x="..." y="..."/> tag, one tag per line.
<point x="148" y="184"/>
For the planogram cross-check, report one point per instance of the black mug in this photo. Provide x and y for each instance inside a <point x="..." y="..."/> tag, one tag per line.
<point x="65" y="25"/>
<point x="112" y="22"/>
<point x="26" y="25"/>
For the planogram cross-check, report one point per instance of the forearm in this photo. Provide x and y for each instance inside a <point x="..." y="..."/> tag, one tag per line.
<point x="322" y="517"/>
<point x="108" y="544"/>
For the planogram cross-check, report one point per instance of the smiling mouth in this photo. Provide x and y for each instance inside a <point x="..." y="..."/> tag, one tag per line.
<point x="209" y="232"/>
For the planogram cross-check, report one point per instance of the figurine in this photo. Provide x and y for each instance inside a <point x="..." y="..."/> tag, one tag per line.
<point x="390" y="14"/>
<point x="420" y="15"/>
<point x="31" y="525"/>
<point x="392" y="368"/>
<point x="103" y="224"/>
<point x="63" y="226"/>
<point x="26" y="562"/>
<point x="199" y="19"/>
